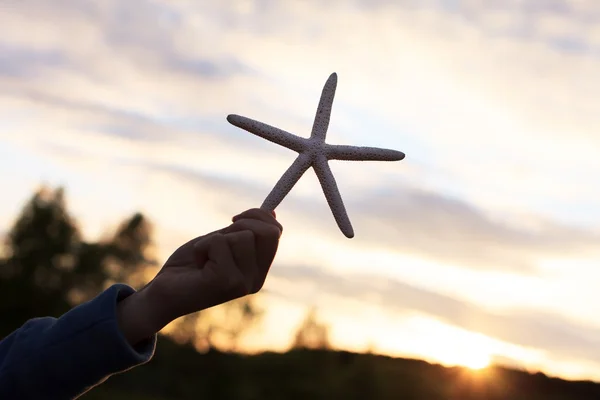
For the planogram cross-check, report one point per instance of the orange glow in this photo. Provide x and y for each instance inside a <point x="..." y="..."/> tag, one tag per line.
<point x="477" y="361"/>
<point x="438" y="342"/>
<point x="473" y="357"/>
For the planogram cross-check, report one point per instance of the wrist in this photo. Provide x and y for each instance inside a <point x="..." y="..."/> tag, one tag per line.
<point x="136" y="319"/>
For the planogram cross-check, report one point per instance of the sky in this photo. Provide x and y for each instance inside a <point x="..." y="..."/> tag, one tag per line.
<point x="480" y="245"/>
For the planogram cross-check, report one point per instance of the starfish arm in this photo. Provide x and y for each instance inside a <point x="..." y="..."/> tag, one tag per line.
<point x="286" y="182"/>
<point x="268" y="132"/>
<point x="332" y="194"/>
<point x="319" y="130"/>
<point x="356" y="153"/>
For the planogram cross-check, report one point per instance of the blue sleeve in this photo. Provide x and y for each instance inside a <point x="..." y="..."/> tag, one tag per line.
<point x="49" y="358"/>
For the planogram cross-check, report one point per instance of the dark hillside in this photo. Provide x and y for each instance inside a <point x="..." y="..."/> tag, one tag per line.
<point x="179" y="372"/>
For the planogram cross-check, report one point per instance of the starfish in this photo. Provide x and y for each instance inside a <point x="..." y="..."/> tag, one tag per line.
<point x="314" y="152"/>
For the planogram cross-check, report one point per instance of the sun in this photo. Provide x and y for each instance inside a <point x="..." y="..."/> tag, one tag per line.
<point x="454" y="346"/>
<point x="475" y="361"/>
<point x="474" y="358"/>
<point x="440" y="343"/>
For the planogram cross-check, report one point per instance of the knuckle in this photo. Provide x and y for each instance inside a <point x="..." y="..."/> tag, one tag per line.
<point x="247" y="235"/>
<point x="274" y="231"/>
<point x="238" y="238"/>
<point x="260" y="227"/>
<point x="233" y="238"/>
<point x="218" y="239"/>
<point x="241" y="224"/>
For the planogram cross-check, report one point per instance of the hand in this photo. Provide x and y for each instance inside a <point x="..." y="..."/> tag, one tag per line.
<point x="206" y="271"/>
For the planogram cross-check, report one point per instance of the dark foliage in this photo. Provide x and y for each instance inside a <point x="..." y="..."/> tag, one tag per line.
<point x="178" y="372"/>
<point x="48" y="267"/>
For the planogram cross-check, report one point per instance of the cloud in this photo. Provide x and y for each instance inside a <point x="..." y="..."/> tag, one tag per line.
<point x="451" y="230"/>
<point x="16" y="62"/>
<point x="553" y="333"/>
<point x="405" y="221"/>
<point x="104" y="119"/>
<point x="408" y="220"/>
<point x="209" y="68"/>
<point x="168" y="86"/>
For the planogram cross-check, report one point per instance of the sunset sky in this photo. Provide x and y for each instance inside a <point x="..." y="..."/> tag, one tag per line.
<point x="482" y="244"/>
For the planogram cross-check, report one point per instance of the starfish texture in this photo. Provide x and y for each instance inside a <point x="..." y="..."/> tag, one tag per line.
<point x="314" y="152"/>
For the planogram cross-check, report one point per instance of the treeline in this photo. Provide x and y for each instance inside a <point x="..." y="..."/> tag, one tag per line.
<point x="177" y="372"/>
<point x="47" y="267"/>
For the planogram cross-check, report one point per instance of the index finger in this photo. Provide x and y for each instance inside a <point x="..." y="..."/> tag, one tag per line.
<point x="261" y="215"/>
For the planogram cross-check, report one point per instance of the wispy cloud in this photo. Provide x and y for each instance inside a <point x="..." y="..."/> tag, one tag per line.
<point x="430" y="225"/>
<point x="544" y="331"/>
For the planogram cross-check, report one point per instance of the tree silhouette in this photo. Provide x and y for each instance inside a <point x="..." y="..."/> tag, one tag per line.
<point x="311" y="333"/>
<point x="47" y="268"/>
<point x="39" y="261"/>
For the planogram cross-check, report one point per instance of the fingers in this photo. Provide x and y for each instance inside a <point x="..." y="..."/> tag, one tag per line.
<point x="267" y="241"/>
<point x="222" y="263"/>
<point x="261" y="215"/>
<point x="243" y="248"/>
<point x="185" y="254"/>
<point x="230" y="255"/>
<point x="260" y="228"/>
<point x="238" y="256"/>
